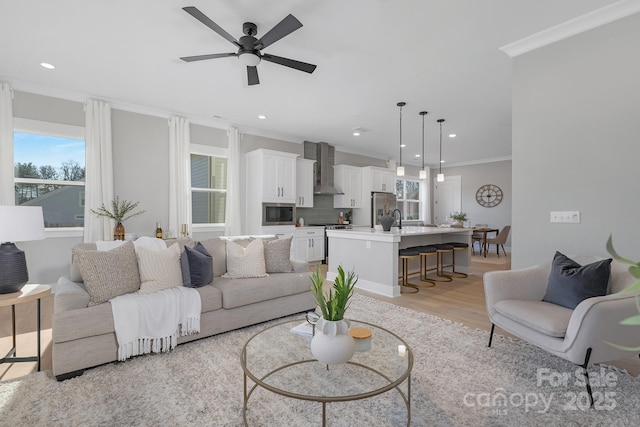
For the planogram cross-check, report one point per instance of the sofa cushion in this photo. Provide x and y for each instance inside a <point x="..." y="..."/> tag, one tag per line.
<point x="210" y="298"/>
<point x="217" y="248"/>
<point x="277" y="254"/>
<point x="570" y="283"/>
<point x="197" y="266"/>
<point x="236" y="293"/>
<point x="544" y="317"/>
<point x="159" y="269"/>
<point x="246" y="262"/>
<point x="108" y="274"/>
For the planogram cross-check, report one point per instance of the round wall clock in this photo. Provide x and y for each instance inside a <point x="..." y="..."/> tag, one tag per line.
<point x="489" y="195"/>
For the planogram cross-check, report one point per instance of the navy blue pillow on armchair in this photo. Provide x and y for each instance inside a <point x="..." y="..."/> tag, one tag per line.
<point x="197" y="266"/>
<point x="570" y="283"/>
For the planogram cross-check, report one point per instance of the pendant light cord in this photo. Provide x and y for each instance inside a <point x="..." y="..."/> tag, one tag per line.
<point x="401" y="104"/>
<point x="440" y="121"/>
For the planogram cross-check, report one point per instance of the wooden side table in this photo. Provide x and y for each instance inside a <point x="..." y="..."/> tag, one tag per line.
<point x="28" y="293"/>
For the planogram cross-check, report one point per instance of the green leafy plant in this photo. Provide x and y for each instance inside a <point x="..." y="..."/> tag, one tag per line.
<point x="458" y="216"/>
<point x="334" y="303"/>
<point x="121" y="210"/>
<point x="634" y="270"/>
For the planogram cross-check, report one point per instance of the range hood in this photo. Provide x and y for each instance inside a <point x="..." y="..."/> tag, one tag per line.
<point x="324" y="155"/>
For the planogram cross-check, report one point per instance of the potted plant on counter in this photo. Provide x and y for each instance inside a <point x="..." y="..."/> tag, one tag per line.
<point x="332" y="343"/>
<point x="121" y="210"/>
<point x="458" y="218"/>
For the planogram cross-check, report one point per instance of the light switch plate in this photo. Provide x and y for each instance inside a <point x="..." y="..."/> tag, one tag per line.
<point x="572" y="217"/>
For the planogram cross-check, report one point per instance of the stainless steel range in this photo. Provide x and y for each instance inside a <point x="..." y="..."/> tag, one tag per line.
<point x="326" y="239"/>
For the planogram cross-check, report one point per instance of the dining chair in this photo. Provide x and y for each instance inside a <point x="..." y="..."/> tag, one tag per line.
<point x="500" y="240"/>
<point x="477" y="236"/>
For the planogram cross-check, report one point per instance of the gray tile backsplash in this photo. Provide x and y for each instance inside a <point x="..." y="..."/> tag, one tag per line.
<point x="322" y="211"/>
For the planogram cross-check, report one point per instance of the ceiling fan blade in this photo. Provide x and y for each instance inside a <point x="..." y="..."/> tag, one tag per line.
<point x="195" y="12"/>
<point x="252" y="76"/>
<point x="291" y="63"/>
<point x="211" y="56"/>
<point x="285" y="27"/>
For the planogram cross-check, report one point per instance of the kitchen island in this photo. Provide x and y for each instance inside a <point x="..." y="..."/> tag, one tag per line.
<point x="373" y="254"/>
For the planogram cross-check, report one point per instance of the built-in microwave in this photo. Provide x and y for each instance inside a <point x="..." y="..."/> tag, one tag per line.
<point x="278" y="214"/>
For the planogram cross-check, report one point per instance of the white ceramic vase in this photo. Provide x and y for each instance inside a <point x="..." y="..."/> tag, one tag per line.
<point x="332" y="342"/>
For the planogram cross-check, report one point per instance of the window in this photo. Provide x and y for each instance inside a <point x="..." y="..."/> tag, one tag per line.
<point x="408" y="198"/>
<point x="49" y="170"/>
<point x="208" y="185"/>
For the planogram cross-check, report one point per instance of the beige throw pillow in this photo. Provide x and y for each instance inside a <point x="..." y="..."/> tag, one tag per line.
<point x="243" y="263"/>
<point x="108" y="274"/>
<point x="277" y="254"/>
<point x="159" y="269"/>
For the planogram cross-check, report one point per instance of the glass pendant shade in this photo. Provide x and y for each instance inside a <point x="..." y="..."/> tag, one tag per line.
<point x="423" y="174"/>
<point x="400" y="171"/>
<point x="440" y="177"/>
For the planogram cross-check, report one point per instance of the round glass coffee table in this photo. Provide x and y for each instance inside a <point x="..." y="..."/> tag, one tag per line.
<point x="280" y="361"/>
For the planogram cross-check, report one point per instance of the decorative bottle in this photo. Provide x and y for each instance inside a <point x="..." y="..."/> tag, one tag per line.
<point x="158" y="230"/>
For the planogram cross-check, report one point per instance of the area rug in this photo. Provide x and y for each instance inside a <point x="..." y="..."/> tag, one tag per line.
<point x="456" y="381"/>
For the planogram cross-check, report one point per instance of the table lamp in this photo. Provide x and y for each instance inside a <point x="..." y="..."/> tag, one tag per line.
<point x="17" y="224"/>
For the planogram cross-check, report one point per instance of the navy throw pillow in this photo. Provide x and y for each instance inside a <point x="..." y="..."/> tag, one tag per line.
<point x="570" y="283"/>
<point x="197" y="266"/>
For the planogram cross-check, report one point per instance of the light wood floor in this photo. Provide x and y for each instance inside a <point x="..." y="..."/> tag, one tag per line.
<point x="461" y="300"/>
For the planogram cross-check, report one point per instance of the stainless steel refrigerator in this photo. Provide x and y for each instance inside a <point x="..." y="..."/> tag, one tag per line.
<point x="381" y="203"/>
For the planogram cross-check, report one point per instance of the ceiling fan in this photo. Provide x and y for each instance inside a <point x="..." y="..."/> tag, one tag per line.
<point x="249" y="47"/>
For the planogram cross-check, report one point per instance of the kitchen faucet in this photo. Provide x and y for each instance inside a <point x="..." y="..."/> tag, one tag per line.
<point x="393" y="214"/>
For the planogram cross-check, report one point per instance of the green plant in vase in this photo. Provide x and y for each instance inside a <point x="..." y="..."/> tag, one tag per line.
<point x="634" y="270"/>
<point x="458" y="216"/>
<point x="121" y="210"/>
<point x="333" y="304"/>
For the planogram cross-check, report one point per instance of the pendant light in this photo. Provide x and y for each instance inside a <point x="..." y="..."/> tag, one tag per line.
<point x="400" y="171"/>
<point x="423" y="172"/>
<point x="440" y="177"/>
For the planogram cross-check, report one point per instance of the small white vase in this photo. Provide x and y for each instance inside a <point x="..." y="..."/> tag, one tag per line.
<point x="332" y="342"/>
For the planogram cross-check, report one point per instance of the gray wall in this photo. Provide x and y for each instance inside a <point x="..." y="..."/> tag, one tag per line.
<point x="576" y="110"/>
<point x="474" y="177"/>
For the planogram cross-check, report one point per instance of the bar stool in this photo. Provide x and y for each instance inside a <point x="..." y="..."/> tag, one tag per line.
<point x="442" y="249"/>
<point x="425" y="253"/>
<point x="405" y="255"/>
<point x="457" y="246"/>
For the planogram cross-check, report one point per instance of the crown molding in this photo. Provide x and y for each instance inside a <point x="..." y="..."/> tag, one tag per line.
<point x="604" y="15"/>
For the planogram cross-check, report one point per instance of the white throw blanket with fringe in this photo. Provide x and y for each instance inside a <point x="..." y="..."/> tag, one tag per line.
<point x="152" y="322"/>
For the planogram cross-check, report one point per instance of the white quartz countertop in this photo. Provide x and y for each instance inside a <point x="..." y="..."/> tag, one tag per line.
<point x="395" y="234"/>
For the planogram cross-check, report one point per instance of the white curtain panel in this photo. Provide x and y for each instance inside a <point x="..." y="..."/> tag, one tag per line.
<point x="99" y="170"/>
<point x="7" y="192"/>
<point x="233" y="226"/>
<point x="179" y="174"/>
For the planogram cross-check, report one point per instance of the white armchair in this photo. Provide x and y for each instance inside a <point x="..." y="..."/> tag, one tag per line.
<point x="514" y="304"/>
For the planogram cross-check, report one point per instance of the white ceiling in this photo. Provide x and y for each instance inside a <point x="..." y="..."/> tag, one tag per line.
<point x="436" y="55"/>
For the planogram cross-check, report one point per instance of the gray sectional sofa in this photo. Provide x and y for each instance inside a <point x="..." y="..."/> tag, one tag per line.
<point x="84" y="336"/>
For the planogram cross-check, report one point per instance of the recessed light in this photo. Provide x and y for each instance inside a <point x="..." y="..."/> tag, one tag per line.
<point x="403" y="145"/>
<point x="262" y="117"/>
<point x="47" y="65"/>
<point x="417" y="155"/>
<point x="356" y="134"/>
<point x="441" y="161"/>
<point x="452" y="135"/>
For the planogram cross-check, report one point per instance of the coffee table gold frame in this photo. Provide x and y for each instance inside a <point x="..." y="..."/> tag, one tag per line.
<point x="260" y="382"/>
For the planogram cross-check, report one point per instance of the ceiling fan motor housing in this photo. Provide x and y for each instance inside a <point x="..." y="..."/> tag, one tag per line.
<point x="249" y="28"/>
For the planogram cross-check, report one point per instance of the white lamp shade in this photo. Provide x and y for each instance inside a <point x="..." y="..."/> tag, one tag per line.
<point x="400" y="171"/>
<point x="249" y="59"/>
<point x="440" y="177"/>
<point x="21" y="223"/>
<point x="423" y="174"/>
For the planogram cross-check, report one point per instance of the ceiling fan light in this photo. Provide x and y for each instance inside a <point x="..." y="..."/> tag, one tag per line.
<point x="400" y="171"/>
<point x="440" y="177"/>
<point x="249" y="59"/>
<point x="423" y="174"/>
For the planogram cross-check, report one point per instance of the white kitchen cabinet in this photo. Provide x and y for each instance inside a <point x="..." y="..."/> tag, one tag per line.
<point x="271" y="178"/>
<point x="348" y="180"/>
<point x="280" y="231"/>
<point x="381" y="179"/>
<point x="304" y="183"/>
<point x="308" y="244"/>
<point x="274" y="173"/>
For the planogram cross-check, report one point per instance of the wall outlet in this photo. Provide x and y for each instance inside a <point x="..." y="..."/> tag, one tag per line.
<point x="572" y="217"/>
